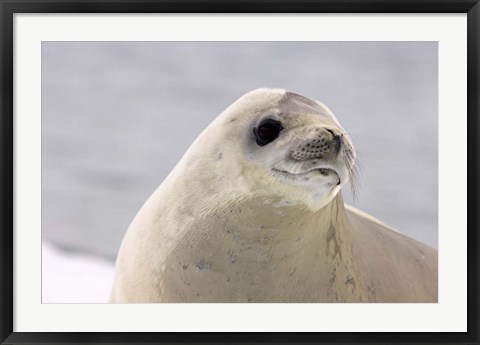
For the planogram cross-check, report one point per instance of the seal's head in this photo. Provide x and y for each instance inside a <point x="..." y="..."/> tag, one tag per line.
<point x="284" y="146"/>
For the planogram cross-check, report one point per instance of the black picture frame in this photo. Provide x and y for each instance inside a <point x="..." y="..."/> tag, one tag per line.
<point x="10" y="7"/>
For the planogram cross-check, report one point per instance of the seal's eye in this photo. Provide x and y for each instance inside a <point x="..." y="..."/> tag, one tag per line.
<point x="267" y="131"/>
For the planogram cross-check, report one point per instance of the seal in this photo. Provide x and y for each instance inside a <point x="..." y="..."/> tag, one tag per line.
<point x="253" y="212"/>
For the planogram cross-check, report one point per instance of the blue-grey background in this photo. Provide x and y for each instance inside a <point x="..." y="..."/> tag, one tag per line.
<point x="117" y="116"/>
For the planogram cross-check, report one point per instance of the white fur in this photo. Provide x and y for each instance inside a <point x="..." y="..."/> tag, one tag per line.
<point x="225" y="226"/>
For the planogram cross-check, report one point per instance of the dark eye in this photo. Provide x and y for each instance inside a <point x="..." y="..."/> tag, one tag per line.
<point x="267" y="131"/>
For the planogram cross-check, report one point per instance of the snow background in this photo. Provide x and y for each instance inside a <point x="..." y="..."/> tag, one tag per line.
<point x="74" y="277"/>
<point x="117" y="116"/>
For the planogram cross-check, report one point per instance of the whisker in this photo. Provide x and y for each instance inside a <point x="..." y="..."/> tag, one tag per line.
<point x="354" y="172"/>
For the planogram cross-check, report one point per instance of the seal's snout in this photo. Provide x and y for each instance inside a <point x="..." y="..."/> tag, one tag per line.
<point x="325" y="143"/>
<point x="336" y="141"/>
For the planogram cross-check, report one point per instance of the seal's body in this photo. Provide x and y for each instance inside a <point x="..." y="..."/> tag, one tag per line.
<point x="253" y="213"/>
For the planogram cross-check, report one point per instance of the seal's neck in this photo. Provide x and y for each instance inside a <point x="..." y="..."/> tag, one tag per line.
<point x="284" y="222"/>
<point x="262" y="249"/>
<point x="286" y="244"/>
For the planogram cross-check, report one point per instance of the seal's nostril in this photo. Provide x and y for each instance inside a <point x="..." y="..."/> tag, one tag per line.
<point x="336" y="137"/>
<point x="330" y="131"/>
<point x="337" y="142"/>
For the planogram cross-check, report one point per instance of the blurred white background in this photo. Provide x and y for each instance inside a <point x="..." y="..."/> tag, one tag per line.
<point x="117" y="116"/>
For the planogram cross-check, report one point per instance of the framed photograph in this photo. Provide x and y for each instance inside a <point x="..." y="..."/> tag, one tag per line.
<point x="260" y="172"/>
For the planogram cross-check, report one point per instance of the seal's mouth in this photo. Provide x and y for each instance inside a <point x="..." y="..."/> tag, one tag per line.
<point x="326" y="171"/>
<point x="323" y="171"/>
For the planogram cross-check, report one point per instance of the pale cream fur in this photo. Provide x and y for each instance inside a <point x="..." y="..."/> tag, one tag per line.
<point x="223" y="228"/>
